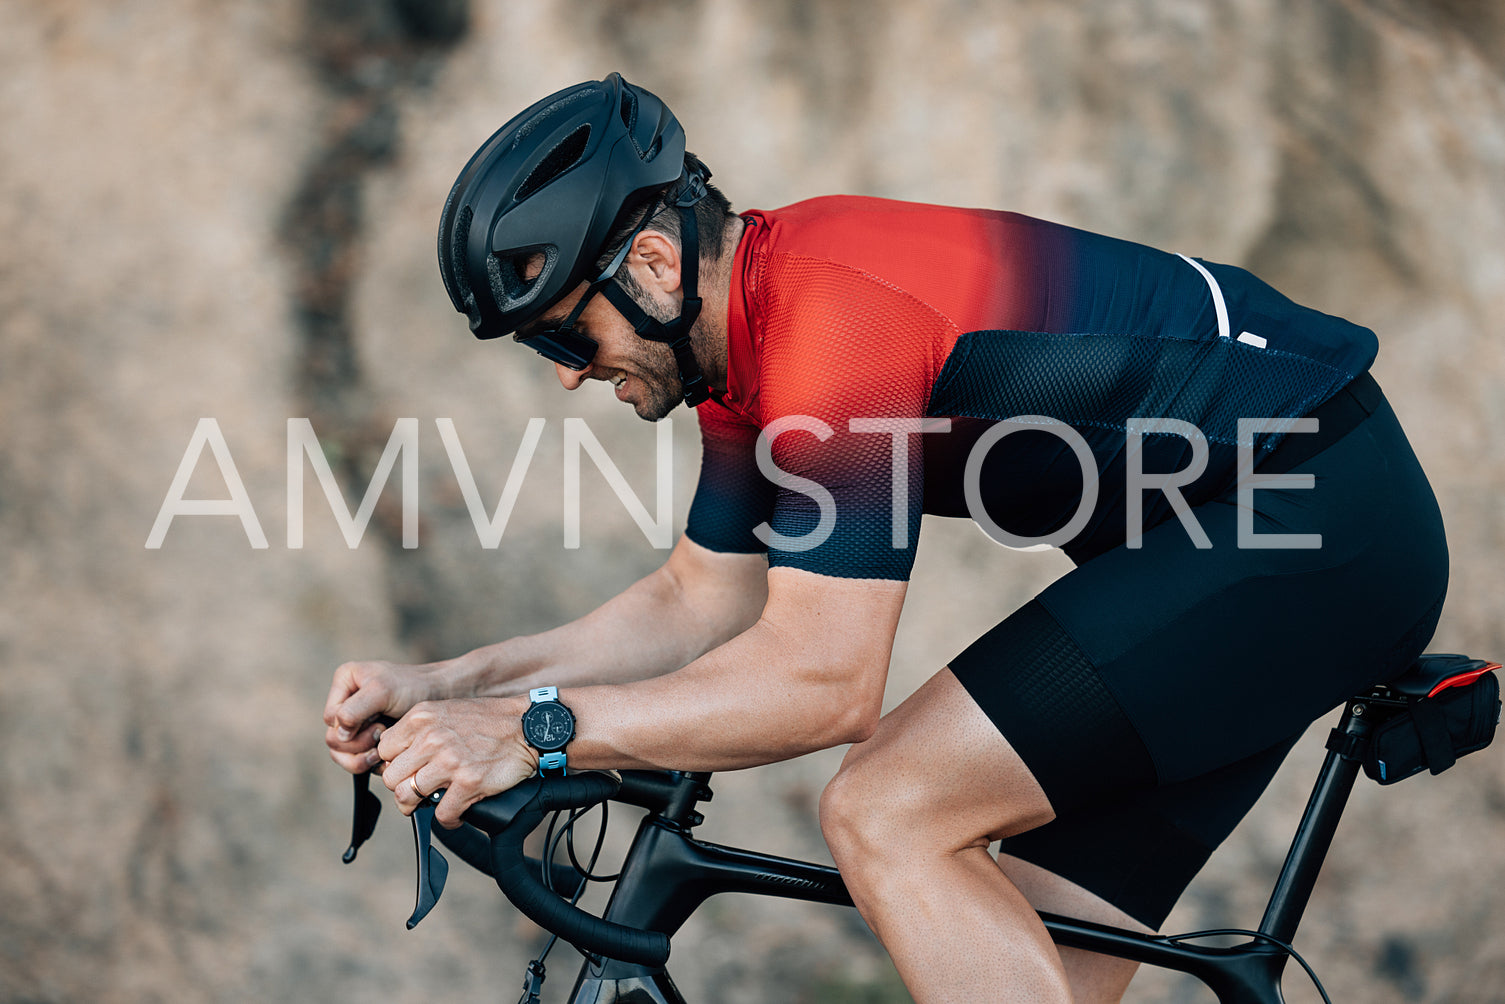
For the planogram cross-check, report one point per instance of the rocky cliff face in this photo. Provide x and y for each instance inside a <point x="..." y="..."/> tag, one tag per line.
<point x="228" y="211"/>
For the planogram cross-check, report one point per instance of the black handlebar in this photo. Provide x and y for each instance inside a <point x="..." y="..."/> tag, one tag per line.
<point x="492" y="842"/>
<point x="509" y="818"/>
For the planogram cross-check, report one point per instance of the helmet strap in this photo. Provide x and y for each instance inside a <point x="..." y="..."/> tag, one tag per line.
<point x="675" y="333"/>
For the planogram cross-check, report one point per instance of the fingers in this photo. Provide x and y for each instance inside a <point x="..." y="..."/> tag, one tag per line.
<point x="462" y="793"/>
<point x="359" y="693"/>
<point x="403" y="759"/>
<point x="410" y="790"/>
<point x="453" y="805"/>
<point x="450" y="745"/>
<point x="357" y="754"/>
<point x="452" y="801"/>
<point x="343" y="686"/>
<point x="394" y="740"/>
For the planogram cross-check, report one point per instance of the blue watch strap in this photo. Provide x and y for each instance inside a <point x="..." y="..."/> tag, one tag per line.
<point x="548" y="761"/>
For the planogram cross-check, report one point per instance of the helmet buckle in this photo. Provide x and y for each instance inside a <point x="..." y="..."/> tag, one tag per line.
<point x="692" y="188"/>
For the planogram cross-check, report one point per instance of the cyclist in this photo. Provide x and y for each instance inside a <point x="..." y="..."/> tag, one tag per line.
<point x="853" y="363"/>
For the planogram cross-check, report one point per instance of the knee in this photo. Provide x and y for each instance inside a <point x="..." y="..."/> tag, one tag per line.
<point x="862" y="818"/>
<point x="845" y="821"/>
<point x="838" y="815"/>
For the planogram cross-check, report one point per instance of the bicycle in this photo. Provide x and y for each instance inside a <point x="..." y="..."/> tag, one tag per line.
<point x="1390" y="732"/>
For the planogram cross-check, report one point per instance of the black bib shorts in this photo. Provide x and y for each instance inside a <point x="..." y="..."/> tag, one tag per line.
<point x="1153" y="691"/>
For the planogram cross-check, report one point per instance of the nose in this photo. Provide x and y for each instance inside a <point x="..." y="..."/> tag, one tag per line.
<point x="570" y="378"/>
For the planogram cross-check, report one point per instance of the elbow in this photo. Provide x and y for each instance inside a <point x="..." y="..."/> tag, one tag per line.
<point x="859" y="729"/>
<point x="859" y="715"/>
<point x="836" y="687"/>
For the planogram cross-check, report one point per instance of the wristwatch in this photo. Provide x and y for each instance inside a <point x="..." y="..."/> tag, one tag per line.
<point x="548" y="726"/>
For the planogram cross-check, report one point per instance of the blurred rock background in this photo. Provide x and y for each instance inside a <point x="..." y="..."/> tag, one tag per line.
<point x="227" y="210"/>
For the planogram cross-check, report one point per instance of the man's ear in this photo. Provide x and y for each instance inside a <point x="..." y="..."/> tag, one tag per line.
<point x="657" y="254"/>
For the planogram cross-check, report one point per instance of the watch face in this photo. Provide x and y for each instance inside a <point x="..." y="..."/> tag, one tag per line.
<point x="548" y="726"/>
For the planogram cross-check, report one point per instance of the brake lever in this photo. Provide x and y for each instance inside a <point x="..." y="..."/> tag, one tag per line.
<point x="363" y="821"/>
<point x="367" y="807"/>
<point x="432" y="868"/>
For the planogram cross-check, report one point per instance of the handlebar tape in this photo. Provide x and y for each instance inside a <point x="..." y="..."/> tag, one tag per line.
<point x="474" y="848"/>
<point x="469" y="844"/>
<point x="521" y="885"/>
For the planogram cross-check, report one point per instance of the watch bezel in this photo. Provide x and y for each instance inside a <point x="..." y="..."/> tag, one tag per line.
<point x="543" y="706"/>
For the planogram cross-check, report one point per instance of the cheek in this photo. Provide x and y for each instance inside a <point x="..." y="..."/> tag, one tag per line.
<point x="659" y="363"/>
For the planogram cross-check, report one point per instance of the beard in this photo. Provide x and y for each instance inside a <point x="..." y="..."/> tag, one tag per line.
<point x="655" y="371"/>
<point x="653" y="362"/>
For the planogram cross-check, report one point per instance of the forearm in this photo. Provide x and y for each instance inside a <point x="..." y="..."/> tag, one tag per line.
<point x="774" y="692"/>
<point x="642" y="632"/>
<point x="696" y="601"/>
<point x="739" y="706"/>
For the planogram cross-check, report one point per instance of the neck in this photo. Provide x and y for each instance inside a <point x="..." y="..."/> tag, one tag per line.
<point x="709" y="336"/>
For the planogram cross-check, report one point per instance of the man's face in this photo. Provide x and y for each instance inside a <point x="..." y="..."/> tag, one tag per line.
<point x="643" y="372"/>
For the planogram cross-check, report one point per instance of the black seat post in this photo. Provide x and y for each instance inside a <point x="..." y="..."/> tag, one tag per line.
<point x="1319" y="822"/>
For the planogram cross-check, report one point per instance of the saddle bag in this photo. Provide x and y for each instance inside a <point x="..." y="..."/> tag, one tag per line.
<point x="1433" y="732"/>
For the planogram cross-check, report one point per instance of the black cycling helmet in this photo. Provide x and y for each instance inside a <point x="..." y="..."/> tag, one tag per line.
<point x="552" y="182"/>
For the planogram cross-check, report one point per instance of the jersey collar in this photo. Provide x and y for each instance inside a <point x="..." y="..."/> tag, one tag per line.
<point x="742" y="346"/>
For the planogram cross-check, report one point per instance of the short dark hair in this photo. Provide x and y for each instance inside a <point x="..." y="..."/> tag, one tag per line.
<point x="713" y="214"/>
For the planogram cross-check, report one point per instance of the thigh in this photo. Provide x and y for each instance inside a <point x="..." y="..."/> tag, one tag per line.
<point x="1139" y="853"/>
<point x="939" y="773"/>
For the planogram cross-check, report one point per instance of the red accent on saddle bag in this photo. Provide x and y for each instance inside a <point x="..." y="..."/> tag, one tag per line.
<point x="1463" y="679"/>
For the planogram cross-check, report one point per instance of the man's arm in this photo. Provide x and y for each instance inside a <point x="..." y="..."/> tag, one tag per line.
<point x="807" y="675"/>
<point x="694" y="602"/>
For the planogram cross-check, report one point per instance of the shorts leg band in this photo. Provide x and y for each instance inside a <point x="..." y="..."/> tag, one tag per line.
<point x="1142" y="871"/>
<point x="1044" y="695"/>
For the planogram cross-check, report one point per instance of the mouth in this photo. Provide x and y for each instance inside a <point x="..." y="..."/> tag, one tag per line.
<point x="620" y="383"/>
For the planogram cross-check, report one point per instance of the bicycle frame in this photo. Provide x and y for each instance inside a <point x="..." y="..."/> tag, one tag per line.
<point x="667" y="874"/>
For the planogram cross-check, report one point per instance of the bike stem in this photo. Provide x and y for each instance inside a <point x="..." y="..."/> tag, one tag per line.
<point x="691" y="789"/>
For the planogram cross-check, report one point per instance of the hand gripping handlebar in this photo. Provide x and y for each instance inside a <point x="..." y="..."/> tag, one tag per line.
<point x="509" y="818"/>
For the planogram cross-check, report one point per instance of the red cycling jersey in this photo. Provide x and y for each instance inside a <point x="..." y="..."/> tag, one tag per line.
<point x="853" y="319"/>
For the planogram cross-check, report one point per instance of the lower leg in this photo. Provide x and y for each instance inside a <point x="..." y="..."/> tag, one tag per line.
<point x="1094" y="978"/>
<point x="958" y="930"/>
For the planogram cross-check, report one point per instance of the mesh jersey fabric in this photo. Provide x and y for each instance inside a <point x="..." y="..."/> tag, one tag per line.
<point x="853" y="319"/>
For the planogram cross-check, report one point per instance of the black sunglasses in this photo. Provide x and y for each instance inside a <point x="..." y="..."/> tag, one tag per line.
<point x="563" y="344"/>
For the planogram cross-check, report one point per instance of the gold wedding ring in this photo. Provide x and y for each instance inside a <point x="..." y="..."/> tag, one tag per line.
<point x="413" y="783"/>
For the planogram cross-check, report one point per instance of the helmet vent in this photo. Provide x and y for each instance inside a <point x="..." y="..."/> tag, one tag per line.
<point x="558" y="160"/>
<point x="553" y="110"/>
<point x="506" y="274"/>
<point x="457" y="260"/>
